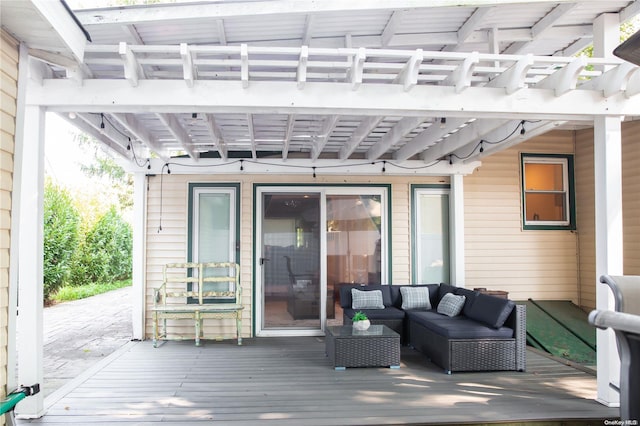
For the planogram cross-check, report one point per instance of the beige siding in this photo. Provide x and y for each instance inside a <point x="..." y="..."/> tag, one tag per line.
<point x="585" y="210"/>
<point x="500" y="255"/>
<point x="586" y="207"/>
<point x="170" y="245"/>
<point x="8" y="91"/>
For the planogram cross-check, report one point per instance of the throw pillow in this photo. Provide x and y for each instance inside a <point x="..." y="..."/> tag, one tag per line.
<point x="366" y="299"/>
<point x="451" y="305"/>
<point x="415" y="298"/>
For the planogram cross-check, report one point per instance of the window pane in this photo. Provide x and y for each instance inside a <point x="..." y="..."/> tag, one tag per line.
<point x="353" y="239"/>
<point x="543" y="177"/>
<point x="433" y="238"/>
<point x="545" y="207"/>
<point x="214" y="228"/>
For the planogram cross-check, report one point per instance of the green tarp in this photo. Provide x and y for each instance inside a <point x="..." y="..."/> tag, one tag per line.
<point x="561" y="328"/>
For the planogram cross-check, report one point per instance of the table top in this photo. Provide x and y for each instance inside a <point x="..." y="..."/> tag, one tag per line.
<point x="374" y="330"/>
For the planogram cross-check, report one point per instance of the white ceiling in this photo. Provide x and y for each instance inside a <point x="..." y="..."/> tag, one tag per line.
<point x="325" y="79"/>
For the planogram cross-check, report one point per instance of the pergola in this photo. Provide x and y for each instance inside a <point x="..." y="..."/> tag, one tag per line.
<point x="285" y="86"/>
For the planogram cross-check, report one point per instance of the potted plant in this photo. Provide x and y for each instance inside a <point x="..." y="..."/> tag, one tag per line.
<point x="360" y="321"/>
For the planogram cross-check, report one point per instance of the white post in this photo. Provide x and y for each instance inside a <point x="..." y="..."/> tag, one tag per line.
<point x="456" y="230"/>
<point x="138" y="274"/>
<point x="18" y="153"/>
<point x="608" y="212"/>
<point x="30" y="261"/>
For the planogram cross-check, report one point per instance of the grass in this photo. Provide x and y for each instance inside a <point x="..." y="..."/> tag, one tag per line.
<point x="69" y="293"/>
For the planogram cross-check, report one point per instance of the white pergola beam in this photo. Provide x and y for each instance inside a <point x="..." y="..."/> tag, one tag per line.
<point x="513" y="79"/>
<point x="427" y="138"/>
<point x="613" y="81"/>
<point x="244" y="65"/>
<point x="393" y="136"/>
<point x="359" y="134"/>
<point x="392" y="27"/>
<point x="252" y="136"/>
<point x="187" y="64"/>
<point x="264" y="8"/>
<point x="470" y="26"/>
<point x="178" y="132"/>
<point x="294" y="166"/>
<point x="469" y="135"/>
<point x="461" y="77"/>
<point x="566" y="79"/>
<point x="308" y="30"/>
<point x="326" y="98"/>
<point x="287" y="136"/>
<point x="633" y="85"/>
<point x="222" y="33"/>
<point x="325" y="132"/>
<point x="136" y="129"/>
<point x="357" y="69"/>
<point x="216" y="135"/>
<point x="408" y="75"/>
<point x="132" y="70"/>
<point x="301" y="76"/>
<point x="90" y="124"/>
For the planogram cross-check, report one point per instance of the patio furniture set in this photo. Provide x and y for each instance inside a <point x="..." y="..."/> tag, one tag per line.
<point x="456" y="328"/>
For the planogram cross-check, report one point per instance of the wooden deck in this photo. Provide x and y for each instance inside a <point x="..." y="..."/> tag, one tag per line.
<point x="289" y="381"/>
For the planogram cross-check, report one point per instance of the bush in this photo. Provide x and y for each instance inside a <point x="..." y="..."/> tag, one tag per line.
<point x="105" y="253"/>
<point x="61" y="224"/>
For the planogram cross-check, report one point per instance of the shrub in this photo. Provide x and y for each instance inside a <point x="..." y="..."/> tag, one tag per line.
<point x="61" y="222"/>
<point x="105" y="253"/>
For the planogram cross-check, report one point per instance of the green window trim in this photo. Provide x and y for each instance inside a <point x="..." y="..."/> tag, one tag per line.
<point x="567" y="160"/>
<point x="191" y="214"/>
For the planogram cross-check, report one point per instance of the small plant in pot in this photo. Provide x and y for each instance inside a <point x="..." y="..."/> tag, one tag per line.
<point x="360" y="321"/>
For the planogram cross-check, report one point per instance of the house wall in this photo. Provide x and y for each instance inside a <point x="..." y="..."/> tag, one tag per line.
<point x="170" y="244"/>
<point x="8" y="92"/>
<point x="585" y="200"/>
<point x="500" y="255"/>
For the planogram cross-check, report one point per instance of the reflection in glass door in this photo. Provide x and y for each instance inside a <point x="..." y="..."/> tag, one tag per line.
<point x="290" y="238"/>
<point x="354" y="242"/>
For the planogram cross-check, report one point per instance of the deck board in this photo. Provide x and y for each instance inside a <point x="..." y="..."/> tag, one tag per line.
<point x="290" y="381"/>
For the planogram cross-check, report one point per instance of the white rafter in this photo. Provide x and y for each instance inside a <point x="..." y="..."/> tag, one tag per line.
<point x="132" y="69"/>
<point x="393" y="136"/>
<point x="252" y="136"/>
<point x="325" y="132"/>
<point x="139" y="132"/>
<point x="90" y="124"/>
<point x="543" y="26"/>
<point x="187" y="65"/>
<point x="287" y="136"/>
<point x="175" y="128"/>
<point x="216" y="135"/>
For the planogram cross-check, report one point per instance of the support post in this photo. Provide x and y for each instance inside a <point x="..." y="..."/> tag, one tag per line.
<point x="31" y="261"/>
<point x="608" y="212"/>
<point x="138" y="255"/>
<point x="609" y="250"/>
<point x="456" y="214"/>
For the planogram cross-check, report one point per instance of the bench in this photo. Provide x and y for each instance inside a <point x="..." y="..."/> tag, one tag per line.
<point x="197" y="291"/>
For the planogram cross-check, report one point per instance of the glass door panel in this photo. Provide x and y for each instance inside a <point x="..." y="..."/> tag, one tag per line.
<point x="291" y="260"/>
<point x="432" y="244"/>
<point x="353" y="241"/>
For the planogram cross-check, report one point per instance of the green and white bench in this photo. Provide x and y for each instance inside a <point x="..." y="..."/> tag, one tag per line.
<point x="197" y="291"/>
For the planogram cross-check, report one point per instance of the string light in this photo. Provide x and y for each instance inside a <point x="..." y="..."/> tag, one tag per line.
<point x="384" y="166"/>
<point x="241" y="165"/>
<point x="314" y="171"/>
<point x="443" y="122"/>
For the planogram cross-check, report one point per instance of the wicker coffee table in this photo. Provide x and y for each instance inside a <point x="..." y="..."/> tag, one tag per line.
<point x="379" y="346"/>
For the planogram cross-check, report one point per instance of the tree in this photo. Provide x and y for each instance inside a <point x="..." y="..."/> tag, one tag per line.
<point x="61" y="226"/>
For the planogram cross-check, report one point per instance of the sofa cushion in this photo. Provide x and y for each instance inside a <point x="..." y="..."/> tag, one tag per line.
<point x="490" y="310"/>
<point x="415" y="298"/>
<point x="389" y="313"/>
<point x="444" y="289"/>
<point x="371" y="299"/>
<point x="459" y="327"/>
<point x="396" y="296"/>
<point x="470" y="297"/>
<point x="345" y="293"/>
<point x="451" y="304"/>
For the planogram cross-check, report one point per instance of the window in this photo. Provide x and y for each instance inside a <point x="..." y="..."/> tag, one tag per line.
<point x="431" y="231"/>
<point x="213" y="225"/>
<point x="547" y="188"/>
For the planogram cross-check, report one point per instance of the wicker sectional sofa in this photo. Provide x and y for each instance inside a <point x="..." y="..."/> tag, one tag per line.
<point x="488" y="334"/>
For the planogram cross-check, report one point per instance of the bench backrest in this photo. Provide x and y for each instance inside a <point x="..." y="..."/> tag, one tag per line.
<point x="210" y="282"/>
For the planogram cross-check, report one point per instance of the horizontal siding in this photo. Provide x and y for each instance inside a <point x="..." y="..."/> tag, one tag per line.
<point x="170" y="244"/>
<point x="8" y="93"/>
<point x="499" y="254"/>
